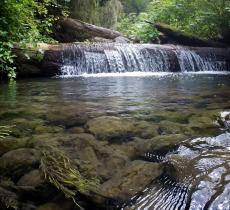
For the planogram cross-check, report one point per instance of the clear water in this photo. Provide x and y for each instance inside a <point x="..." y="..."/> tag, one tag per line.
<point x="197" y="172"/>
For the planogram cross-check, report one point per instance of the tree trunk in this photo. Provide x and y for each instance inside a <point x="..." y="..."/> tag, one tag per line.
<point x="72" y="30"/>
<point x="173" y="36"/>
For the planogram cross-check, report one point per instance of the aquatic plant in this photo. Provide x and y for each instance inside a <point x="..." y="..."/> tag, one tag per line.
<point x="59" y="172"/>
<point x="4" y="131"/>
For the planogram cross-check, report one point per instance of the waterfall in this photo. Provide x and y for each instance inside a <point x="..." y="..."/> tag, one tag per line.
<point x="78" y="59"/>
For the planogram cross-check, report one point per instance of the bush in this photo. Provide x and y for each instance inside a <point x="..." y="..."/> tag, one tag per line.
<point x="135" y="27"/>
<point x="23" y="22"/>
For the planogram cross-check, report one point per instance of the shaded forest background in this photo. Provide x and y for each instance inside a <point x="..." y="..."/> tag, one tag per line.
<point x="31" y="21"/>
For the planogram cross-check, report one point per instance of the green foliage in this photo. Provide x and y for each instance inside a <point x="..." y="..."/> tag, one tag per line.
<point x="135" y="27"/>
<point x="58" y="170"/>
<point x="23" y="22"/>
<point x="135" y="6"/>
<point x="205" y="18"/>
<point x="6" y="59"/>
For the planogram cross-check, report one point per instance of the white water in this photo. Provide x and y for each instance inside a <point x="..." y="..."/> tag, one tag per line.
<point x="143" y="74"/>
<point x="141" y="59"/>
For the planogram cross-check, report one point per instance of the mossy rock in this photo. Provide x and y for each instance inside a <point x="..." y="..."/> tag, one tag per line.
<point x="131" y="180"/>
<point x="18" y="162"/>
<point x="11" y="143"/>
<point x="168" y="127"/>
<point x="67" y="118"/>
<point x="146" y="130"/>
<point x="40" y="129"/>
<point x="109" y="127"/>
<point x="166" y="142"/>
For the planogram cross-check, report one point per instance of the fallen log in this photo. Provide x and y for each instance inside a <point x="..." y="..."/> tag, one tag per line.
<point x="174" y="36"/>
<point x="72" y="30"/>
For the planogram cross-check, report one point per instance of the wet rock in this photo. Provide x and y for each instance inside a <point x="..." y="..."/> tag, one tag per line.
<point x="168" y="127"/>
<point x="136" y="147"/>
<point x="109" y="127"/>
<point x="166" y="142"/>
<point x="48" y="129"/>
<point x="94" y="158"/>
<point x="33" y="179"/>
<point x="132" y="179"/>
<point x="76" y="130"/>
<point x="11" y="143"/>
<point x="68" y="118"/>
<point x="202" y="125"/>
<point x="18" y="162"/>
<point x="146" y="130"/>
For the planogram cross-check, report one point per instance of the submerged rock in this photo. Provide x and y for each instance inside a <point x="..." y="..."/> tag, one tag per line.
<point x="168" y="127"/>
<point x="69" y="117"/>
<point x="76" y="130"/>
<point x="109" y="127"/>
<point x="17" y="162"/>
<point x="11" y="143"/>
<point x="146" y="130"/>
<point x="166" y="142"/>
<point x="131" y="180"/>
<point x="33" y="179"/>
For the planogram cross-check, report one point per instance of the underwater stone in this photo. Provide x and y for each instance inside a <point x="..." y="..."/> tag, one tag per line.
<point x="33" y="179"/>
<point x="166" y="142"/>
<point x="11" y="143"/>
<point x="18" y="162"/>
<point x="168" y="127"/>
<point x="67" y="118"/>
<point x="108" y="127"/>
<point x="132" y="179"/>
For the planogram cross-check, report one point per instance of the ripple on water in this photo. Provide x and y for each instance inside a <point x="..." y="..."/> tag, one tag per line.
<point x="196" y="177"/>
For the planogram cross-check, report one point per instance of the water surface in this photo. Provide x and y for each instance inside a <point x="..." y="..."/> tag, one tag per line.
<point x="197" y="171"/>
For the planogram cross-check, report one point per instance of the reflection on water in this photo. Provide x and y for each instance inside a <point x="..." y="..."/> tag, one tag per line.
<point x="196" y="172"/>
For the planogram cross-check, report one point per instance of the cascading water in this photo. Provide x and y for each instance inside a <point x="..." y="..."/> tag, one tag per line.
<point x="115" y="58"/>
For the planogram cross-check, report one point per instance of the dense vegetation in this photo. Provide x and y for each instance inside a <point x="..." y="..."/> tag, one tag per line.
<point x="30" y="21"/>
<point x="205" y="18"/>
